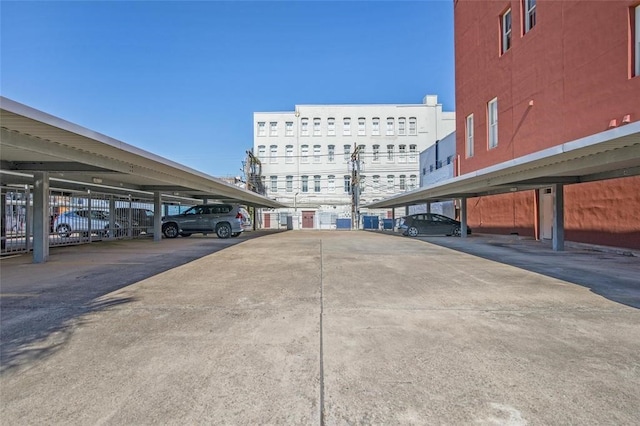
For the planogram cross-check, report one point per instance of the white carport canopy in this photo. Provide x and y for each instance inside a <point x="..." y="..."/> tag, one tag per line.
<point x="610" y="154"/>
<point x="37" y="148"/>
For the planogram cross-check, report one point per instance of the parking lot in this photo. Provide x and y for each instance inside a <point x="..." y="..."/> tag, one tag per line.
<point x="321" y="327"/>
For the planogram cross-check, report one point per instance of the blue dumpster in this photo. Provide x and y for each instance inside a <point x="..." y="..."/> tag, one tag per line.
<point x="387" y="224"/>
<point x="370" y="222"/>
<point x="343" y="223"/>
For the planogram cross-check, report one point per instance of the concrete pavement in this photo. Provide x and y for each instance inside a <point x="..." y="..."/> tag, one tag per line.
<point x="320" y="328"/>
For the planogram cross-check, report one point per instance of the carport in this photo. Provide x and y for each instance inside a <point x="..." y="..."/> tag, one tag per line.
<point x="41" y="151"/>
<point x="614" y="153"/>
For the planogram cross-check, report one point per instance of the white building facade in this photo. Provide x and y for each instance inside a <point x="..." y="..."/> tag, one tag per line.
<point x="306" y="156"/>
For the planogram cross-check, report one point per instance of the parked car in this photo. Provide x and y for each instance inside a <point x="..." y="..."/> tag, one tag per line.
<point x="77" y="221"/>
<point x="223" y="219"/>
<point x="432" y="224"/>
<point x="141" y="219"/>
<point x="401" y="226"/>
<point x="247" y="223"/>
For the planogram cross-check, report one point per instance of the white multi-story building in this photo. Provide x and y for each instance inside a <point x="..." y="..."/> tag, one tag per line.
<point x="306" y="155"/>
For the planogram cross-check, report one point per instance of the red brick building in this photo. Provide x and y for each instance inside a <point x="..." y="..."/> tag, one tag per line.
<point x="533" y="75"/>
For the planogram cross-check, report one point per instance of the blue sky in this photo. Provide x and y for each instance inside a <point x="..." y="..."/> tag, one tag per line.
<point x="182" y="79"/>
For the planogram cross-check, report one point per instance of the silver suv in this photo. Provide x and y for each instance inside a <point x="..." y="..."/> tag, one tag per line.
<point x="223" y="219"/>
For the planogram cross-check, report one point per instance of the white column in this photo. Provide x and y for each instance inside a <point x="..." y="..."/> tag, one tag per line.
<point x="40" y="217"/>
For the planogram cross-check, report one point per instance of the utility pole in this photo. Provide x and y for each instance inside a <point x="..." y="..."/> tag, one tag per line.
<point x="355" y="187"/>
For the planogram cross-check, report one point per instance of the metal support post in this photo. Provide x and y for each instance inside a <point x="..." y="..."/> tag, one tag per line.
<point x="40" y="217"/>
<point x="157" y="216"/>
<point x="557" y="241"/>
<point x="463" y="217"/>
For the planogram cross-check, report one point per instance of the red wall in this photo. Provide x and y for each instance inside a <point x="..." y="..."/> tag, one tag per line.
<point x="575" y="67"/>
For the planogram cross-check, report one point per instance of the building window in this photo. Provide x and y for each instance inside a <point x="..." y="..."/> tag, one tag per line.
<point x="412" y="181"/>
<point x="289" y="154"/>
<point x="331" y="126"/>
<point x="412" y="126"/>
<point x="332" y="153"/>
<point x="316" y="127"/>
<point x="361" y="127"/>
<point x="390" y="126"/>
<point x="289" y="183"/>
<point x="529" y="15"/>
<point x="262" y="151"/>
<point x="492" y="115"/>
<point x="305" y="183"/>
<point x="401" y="125"/>
<point x="402" y="151"/>
<point x="413" y="151"/>
<point x="376" y="182"/>
<point x="273" y="154"/>
<point x="361" y="151"/>
<point x="389" y="152"/>
<point x="304" y="153"/>
<point x="273" y="128"/>
<point x="391" y="181"/>
<point x="274" y="183"/>
<point x="506" y="31"/>
<point x="304" y="127"/>
<point x="636" y="44"/>
<point x="261" y="128"/>
<point x="362" y="183"/>
<point x="469" y="135"/>
<point x="375" y="124"/>
<point x="376" y="153"/>
<point x="316" y="183"/>
<point x="316" y="153"/>
<point x="288" y="128"/>
<point x="347" y="152"/>
<point x="346" y="126"/>
<point x="331" y="183"/>
<point x="403" y="182"/>
<point x="347" y="184"/>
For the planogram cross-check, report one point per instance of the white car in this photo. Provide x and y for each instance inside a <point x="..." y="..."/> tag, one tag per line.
<point x="77" y="221"/>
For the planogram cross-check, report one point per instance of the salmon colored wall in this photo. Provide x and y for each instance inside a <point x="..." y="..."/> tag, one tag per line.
<point x="512" y="213"/>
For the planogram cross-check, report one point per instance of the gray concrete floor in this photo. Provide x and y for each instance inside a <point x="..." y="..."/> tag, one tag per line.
<point x="321" y="328"/>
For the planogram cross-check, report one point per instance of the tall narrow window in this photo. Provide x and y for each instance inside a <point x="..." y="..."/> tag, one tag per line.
<point x="316" y="153"/>
<point x="331" y="126"/>
<point x="361" y="127"/>
<point x="412" y="126"/>
<point x="402" y="153"/>
<point x="376" y="182"/>
<point x="362" y="151"/>
<point x="289" y="183"/>
<point x="362" y="183"/>
<point x="529" y="15"/>
<point x="273" y="154"/>
<point x="506" y="31"/>
<point x="273" y="128"/>
<point x="316" y="127"/>
<point x="403" y="182"/>
<point x="376" y="153"/>
<point x="637" y="41"/>
<point x="390" y="126"/>
<point x="346" y="126"/>
<point x="304" y="153"/>
<point x="413" y="151"/>
<point x="332" y="153"/>
<point x="304" y="126"/>
<point x="389" y="152"/>
<point x="316" y="183"/>
<point x="347" y="184"/>
<point x="305" y="183"/>
<point x="331" y="183"/>
<point x="274" y="183"/>
<point x="289" y="128"/>
<point x="261" y="128"/>
<point x="390" y="183"/>
<point x="412" y="181"/>
<point x="262" y="151"/>
<point x="492" y="113"/>
<point x="401" y="126"/>
<point x="289" y="154"/>
<point x="469" y="136"/>
<point x="347" y="152"/>
<point x="375" y="126"/>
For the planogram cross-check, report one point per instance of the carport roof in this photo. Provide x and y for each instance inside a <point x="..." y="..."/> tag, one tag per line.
<point x="610" y="154"/>
<point x="77" y="158"/>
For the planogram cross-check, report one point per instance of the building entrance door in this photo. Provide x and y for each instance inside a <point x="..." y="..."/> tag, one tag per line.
<point x="307" y="219"/>
<point x="267" y="220"/>
<point x="546" y="214"/>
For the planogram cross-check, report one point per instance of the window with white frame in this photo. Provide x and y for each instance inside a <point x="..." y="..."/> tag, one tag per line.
<point x="347" y="184"/>
<point x="274" y="183"/>
<point x="304" y="153"/>
<point x="304" y="127"/>
<point x="288" y="128"/>
<point x="413" y="129"/>
<point x="305" y="183"/>
<point x="361" y="127"/>
<point x="289" y="180"/>
<point x="529" y="15"/>
<point x="346" y="126"/>
<point x="262" y="151"/>
<point x="469" y="135"/>
<point x="391" y="183"/>
<point x="506" y="31"/>
<point x="262" y="128"/>
<point x="347" y="152"/>
<point x="402" y="153"/>
<point x="331" y="126"/>
<point x="288" y="154"/>
<point x="362" y="151"/>
<point x="273" y="154"/>
<point x="389" y="152"/>
<point x="403" y="182"/>
<point x="412" y="181"/>
<point x="390" y="126"/>
<point x="332" y="153"/>
<point x="375" y="126"/>
<point x="316" y="153"/>
<point x="376" y="153"/>
<point x="376" y="182"/>
<point x="316" y="127"/>
<point x="492" y="122"/>
<point x="413" y="153"/>
<point x="316" y="183"/>
<point x="636" y="33"/>
<point x="362" y="183"/>
<point x="273" y="128"/>
<point x="331" y="183"/>
<point x="401" y="126"/>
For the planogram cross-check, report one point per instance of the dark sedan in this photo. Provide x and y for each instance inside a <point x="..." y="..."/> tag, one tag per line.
<point x="432" y="224"/>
